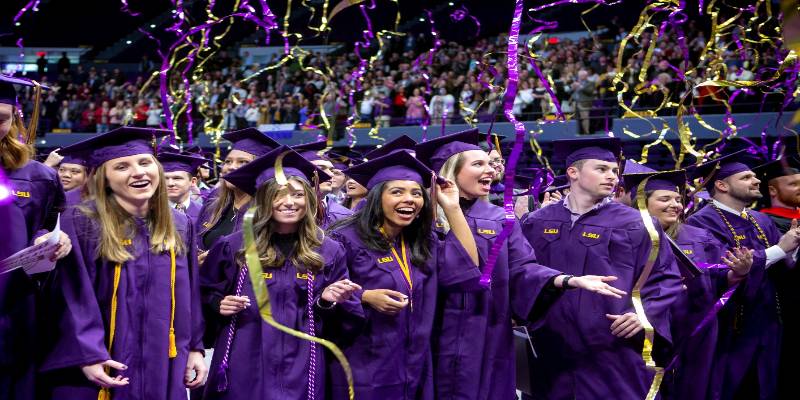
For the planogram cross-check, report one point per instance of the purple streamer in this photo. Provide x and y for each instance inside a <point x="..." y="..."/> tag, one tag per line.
<point x="519" y="128"/>
<point x="33" y="4"/>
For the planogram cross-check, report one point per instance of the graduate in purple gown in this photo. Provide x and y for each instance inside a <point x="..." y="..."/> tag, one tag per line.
<point x="750" y="325"/>
<point x="179" y="172"/>
<point x="473" y="339"/>
<point x="305" y="274"/>
<point x="691" y="376"/>
<point x="33" y="199"/>
<point x="222" y="212"/>
<point x="130" y="325"/>
<point x="394" y="255"/>
<point x="590" y="347"/>
<point x="333" y="211"/>
<point x="72" y="173"/>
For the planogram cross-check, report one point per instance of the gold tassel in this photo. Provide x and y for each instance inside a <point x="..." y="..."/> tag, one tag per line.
<point x="173" y="349"/>
<point x="105" y="394"/>
<point x="34" y="122"/>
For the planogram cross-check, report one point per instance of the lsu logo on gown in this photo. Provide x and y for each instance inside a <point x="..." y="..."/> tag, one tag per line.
<point x="739" y="237"/>
<point x="127" y="242"/>
<point x="302" y="276"/>
<point x="551" y="231"/>
<point x="590" y="235"/>
<point x="486" y="231"/>
<point x="688" y="251"/>
<point x="266" y="275"/>
<point x="384" y="260"/>
<point x="21" y="193"/>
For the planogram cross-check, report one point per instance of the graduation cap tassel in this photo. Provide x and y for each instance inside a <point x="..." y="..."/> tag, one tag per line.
<point x="434" y="200"/>
<point x="322" y="211"/>
<point x="34" y="122"/>
<point x="173" y="350"/>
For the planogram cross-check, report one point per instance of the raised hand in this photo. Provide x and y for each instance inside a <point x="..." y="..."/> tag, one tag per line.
<point x="447" y="195"/>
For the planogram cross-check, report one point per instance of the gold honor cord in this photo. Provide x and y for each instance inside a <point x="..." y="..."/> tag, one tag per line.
<point x="636" y="294"/>
<point x="262" y="300"/>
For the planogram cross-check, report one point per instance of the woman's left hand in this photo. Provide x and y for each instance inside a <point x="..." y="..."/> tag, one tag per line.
<point x="196" y="364"/>
<point x="64" y="245"/>
<point x="340" y="291"/>
<point x="447" y="195"/>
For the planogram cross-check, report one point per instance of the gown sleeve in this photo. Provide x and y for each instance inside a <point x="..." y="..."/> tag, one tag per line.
<point x="530" y="283"/>
<point x="663" y="286"/>
<point x="217" y="278"/>
<point x="454" y="266"/>
<point x="198" y="324"/>
<point x="81" y="333"/>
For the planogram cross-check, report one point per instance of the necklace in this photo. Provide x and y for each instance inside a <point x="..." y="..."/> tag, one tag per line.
<point x="761" y="236"/>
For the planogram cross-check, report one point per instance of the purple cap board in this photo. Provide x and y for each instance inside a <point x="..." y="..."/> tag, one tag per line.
<point x="591" y="148"/>
<point x="435" y="152"/>
<point x="121" y="142"/>
<point x="399" y="165"/>
<point x="724" y="166"/>
<point x="402" y="142"/>
<point x="674" y="181"/>
<point x="256" y="173"/>
<point x="8" y="94"/>
<point x="310" y="151"/>
<point x="251" y="140"/>
<point x="175" y="162"/>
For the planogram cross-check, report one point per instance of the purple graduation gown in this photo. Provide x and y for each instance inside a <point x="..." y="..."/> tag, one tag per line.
<point x="37" y="198"/>
<point x="750" y="328"/>
<point x="193" y="212"/>
<point x="391" y="355"/>
<point x="334" y="212"/>
<point x="578" y="355"/>
<point x="141" y="341"/>
<point x="74" y="197"/>
<point x="265" y="363"/>
<point x="691" y="377"/>
<point x="473" y="345"/>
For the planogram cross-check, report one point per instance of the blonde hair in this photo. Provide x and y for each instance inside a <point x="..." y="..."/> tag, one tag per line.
<point x="449" y="171"/>
<point x="310" y="236"/>
<point x="116" y="225"/>
<point x="13" y="153"/>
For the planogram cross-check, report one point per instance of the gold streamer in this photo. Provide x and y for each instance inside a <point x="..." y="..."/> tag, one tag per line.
<point x="263" y="301"/>
<point x="636" y="293"/>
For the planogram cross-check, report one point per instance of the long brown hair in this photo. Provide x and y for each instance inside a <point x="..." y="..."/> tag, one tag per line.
<point x="116" y="225"/>
<point x="224" y="199"/>
<point x="309" y="234"/>
<point x="13" y="153"/>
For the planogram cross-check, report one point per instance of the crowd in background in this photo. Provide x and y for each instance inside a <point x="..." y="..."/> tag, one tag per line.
<point x="465" y="82"/>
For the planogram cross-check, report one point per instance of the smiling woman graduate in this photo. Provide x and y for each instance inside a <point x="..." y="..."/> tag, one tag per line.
<point x="130" y="325"/>
<point x="305" y="273"/>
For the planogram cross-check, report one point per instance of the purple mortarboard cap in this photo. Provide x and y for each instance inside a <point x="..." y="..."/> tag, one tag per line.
<point x="343" y="159"/>
<point x="723" y="166"/>
<point x="176" y="162"/>
<point x="674" y="180"/>
<point x="8" y="94"/>
<point x="193" y="149"/>
<point x="402" y="142"/>
<point x="391" y="167"/>
<point x="71" y="159"/>
<point x="251" y="140"/>
<point x="632" y="167"/>
<point x="602" y="148"/>
<point x="435" y="152"/>
<point x="256" y="173"/>
<point x="121" y="142"/>
<point x="777" y="168"/>
<point x="559" y="183"/>
<point x="310" y="151"/>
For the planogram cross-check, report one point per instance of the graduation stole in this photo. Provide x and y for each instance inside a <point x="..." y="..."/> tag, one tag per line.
<point x="105" y="393"/>
<point x="636" y="295"/>
<point x="405" y="266"/>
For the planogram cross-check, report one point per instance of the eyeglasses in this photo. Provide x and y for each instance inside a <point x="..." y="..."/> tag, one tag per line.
<point x="497" y="161"/>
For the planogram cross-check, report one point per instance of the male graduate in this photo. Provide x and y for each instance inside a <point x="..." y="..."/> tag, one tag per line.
<point x="780" y="181"/>
<point x="750" y="324"/>
<point x="179" y="176"/>
<point x="591" y="347"/>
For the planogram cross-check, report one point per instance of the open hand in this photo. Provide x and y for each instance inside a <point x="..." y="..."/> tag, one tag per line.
<point x="597" y="284"/>
<point x="97" y="374"/>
